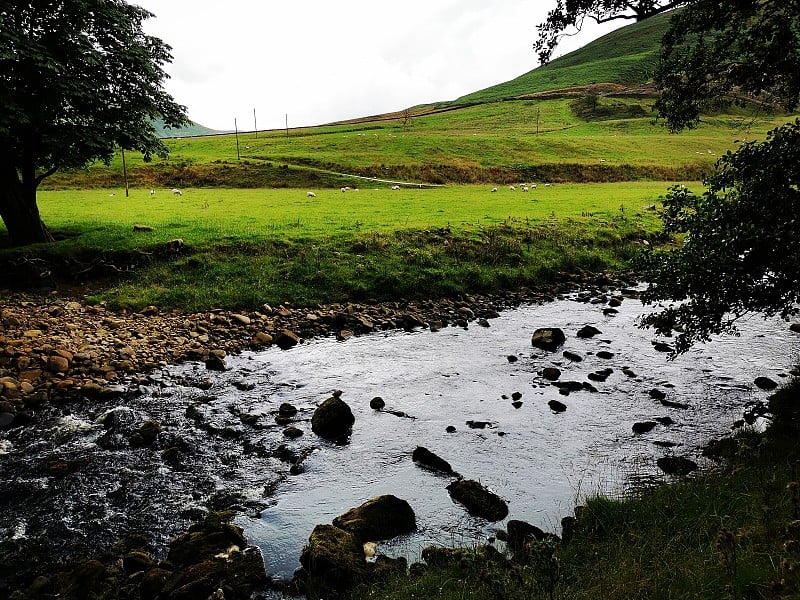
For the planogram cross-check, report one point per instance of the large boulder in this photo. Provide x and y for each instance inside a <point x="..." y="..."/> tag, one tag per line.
<point x="478" y="500"/>
<point x="548" y="338"/>
<point x="380" y="518"/>
<point x="332" y="419"/>
<point x="334" y="562"/>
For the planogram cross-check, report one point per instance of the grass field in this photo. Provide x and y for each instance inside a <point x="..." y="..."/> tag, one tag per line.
<point x="244" y="247"/>
<point x="204" y="215"/>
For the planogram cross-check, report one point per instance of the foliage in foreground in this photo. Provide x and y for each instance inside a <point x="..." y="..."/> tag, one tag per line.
<point x="741" y="251"/>
<point x="731" y="532"/>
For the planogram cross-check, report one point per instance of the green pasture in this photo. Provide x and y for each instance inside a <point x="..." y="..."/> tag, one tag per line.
<point x="206" y="215"/>
<point x="244" y="247"/>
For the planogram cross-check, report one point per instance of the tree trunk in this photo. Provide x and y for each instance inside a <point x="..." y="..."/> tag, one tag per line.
<point x="19" y="210"/>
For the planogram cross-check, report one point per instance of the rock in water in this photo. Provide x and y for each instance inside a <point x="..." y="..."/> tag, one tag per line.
<point x="643" y="426"/>
<point x="332" y="419"/>
<point x="425" y="458"/>
<point x="478" y="500"/>
<point x="334" y="558"/>
<point x="765" y="383"/>
<point x="548" y="338"/>
<point x="588" y="331"/>
<point x="380" y="518"/>
<point x="551" y="373"/>
<point x="676" y="465"/>
<point x="557" y="406"/>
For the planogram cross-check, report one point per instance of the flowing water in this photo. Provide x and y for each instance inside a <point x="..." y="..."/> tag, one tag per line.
<point x="74" y="483"/>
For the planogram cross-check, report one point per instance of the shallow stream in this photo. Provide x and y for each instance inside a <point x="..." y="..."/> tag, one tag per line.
<point x="74" y="483"/>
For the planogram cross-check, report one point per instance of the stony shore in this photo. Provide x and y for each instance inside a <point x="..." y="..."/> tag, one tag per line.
<point x="52" y="345"/>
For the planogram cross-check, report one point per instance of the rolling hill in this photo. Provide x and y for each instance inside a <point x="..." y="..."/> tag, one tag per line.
<point x="625" y="57"/>
<point x="584" y="117"/>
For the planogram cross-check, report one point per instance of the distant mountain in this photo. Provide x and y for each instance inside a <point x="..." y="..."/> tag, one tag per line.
<point x="188" y="131"/>
<point x="625" y="57"/>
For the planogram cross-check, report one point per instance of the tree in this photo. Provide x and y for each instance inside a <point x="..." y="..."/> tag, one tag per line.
<point x="739" y="247"/>
<point x="568" y="16"/>
<point x="741" y="253"/>
<point x="78" y="78"/>
<point x="715" y="53"/>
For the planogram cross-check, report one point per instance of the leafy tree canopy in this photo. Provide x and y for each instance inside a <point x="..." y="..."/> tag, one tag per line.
<point x="568" y="16"/>
<point x="718" y="52"/>
<point x="78" y="78"/>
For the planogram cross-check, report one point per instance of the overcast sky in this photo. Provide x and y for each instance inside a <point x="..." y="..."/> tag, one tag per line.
<point x="320" y="61"/>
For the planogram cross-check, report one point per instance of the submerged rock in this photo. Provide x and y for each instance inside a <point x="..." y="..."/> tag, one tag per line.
<point x="676" y="465"/>
<point x="478" y="500"/>
<point x="425" y="458"/>
<point x="551" y="373"/>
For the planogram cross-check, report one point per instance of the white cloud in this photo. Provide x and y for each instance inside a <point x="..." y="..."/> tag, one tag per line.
<point x="321" y="61"/>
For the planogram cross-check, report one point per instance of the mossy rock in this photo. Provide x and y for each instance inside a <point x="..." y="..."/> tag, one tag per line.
<point x="380" y="518"/>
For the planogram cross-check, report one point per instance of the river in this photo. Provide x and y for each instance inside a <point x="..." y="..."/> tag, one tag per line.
<point x="75" y="483"/>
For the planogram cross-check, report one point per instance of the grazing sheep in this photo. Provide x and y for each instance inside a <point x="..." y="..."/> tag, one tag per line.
<point x="177" y="192"/>
<point x="512" y="188"/>
<point x="524" y="188"/>
<point x="494" y="189"/>
<point x="395" y="187"/>
<point x="546" y="185"/>
<point x="345" y="189"/>
<point x="311" y="194"/>
<point x="533" y="186"/>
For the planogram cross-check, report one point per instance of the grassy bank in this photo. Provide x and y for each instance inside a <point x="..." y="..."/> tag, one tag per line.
<point x="241" y="248"/>
<point x="729" y="532"/>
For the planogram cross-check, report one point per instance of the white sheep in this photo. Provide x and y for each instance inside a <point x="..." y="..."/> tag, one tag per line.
<point x="533" y="186"/>
<point x="311" y="194"/>
<point x="345" y="189"/>
<point x="177" y="192"/>
<point x="494" y="189"/>
<point x="524" y="188"/>
<point x="512" y="188"/>
<point x="395" y="187"/>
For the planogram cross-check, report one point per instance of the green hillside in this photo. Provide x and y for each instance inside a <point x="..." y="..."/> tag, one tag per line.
<point x="626" y="57"/>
